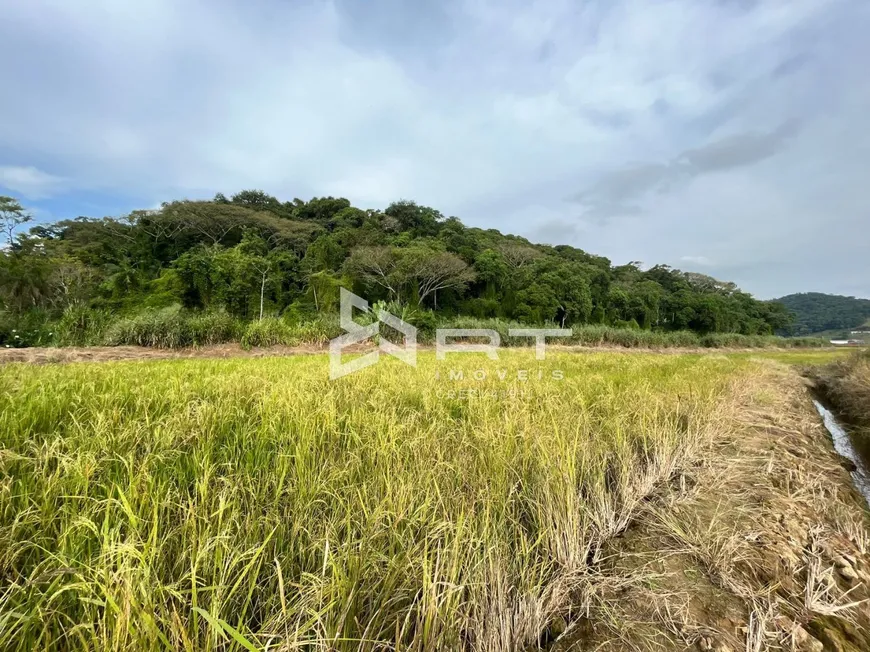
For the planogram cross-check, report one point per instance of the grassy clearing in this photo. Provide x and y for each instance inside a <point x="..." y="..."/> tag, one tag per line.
<point x="252" y="504"/>
<point x="802" y="358"/>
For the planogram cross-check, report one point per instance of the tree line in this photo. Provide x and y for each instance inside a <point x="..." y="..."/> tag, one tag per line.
<point x="251" y="255"/>
<point x="815" y="312"/>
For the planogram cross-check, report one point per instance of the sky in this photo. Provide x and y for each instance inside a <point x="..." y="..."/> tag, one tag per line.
<point x="727" y="137"/>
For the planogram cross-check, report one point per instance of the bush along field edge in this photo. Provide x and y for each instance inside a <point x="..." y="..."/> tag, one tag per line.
<point x="175" y="327"/>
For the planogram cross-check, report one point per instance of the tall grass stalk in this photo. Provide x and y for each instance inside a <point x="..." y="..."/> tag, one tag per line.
<point x="253" y="504"/>
<point x="272" y="331"/>
<point x="173" y="327"/>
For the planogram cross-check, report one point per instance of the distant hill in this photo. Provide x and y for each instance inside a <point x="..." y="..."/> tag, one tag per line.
<point x="816" y="312"/>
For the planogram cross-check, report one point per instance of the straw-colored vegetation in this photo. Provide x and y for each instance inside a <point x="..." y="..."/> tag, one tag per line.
<point x="252" y="504"/>
<point x="846" y="384"/>
<point x="759" y="544"/>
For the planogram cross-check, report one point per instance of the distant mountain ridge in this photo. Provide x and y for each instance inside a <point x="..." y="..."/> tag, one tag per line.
<point x="816" y="312"/>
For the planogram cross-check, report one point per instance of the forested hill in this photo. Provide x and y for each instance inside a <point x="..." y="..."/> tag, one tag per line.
<point x="815" y="312"/>
<point x="252" y="254"/>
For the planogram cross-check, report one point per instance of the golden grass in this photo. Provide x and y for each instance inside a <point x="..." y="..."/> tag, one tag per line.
<point x="254" y="504"/>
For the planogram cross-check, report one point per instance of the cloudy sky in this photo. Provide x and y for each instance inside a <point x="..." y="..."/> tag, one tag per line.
<point x="729" y="137"/>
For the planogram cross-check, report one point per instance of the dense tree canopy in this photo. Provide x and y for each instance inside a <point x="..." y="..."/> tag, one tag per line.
<point x="815" y="312"/>
<point x="252" y="254"/>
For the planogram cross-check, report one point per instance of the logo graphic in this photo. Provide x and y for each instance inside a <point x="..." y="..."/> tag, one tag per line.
<point x="356" y="333"/>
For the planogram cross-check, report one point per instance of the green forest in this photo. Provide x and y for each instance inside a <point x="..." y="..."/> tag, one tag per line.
<point x="815" y="312"/>
<point x="252" y="268"/>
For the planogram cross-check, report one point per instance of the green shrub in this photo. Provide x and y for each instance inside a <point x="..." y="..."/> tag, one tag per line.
<point x="590" y="335"/>
<point x="804" y="342"/>
<point x="630" y="324"/>
<point x="682" y="339"/>
<point x="271" y="331"/>
<point x="172" y="328"/>
<point x="299" y="311"/>
<point x="627" y="337"/>
<point x="500" y="326"/>
<point x="268" y="332"/>
<point x="719" y="340"/>
<point x="318" y="331"/>
<point x="426" y="322"/>
<point x="213" y="328"/>
<point x="81" y="326"/>
<point x="480" y="308"/>
<point x="31" y="328"/>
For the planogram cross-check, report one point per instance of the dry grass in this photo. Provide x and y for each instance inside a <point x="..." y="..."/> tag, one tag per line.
<point x="846" y="384"/>
<point x="760" y="545"/>
<point x="645" y="502"/>
<point x="253" y="504"/>
<point x="52" y="355"/>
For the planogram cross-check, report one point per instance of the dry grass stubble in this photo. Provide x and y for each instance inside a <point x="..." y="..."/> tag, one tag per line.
<point x="762" y="544"/>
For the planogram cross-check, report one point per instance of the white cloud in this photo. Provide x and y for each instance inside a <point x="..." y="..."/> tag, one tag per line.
<point x="29" y="181"/>
<point x="506" y="109"/>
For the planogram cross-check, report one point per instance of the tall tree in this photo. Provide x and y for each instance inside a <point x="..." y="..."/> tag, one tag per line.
<point x="517" y="254"/>
<point x="436" y="270"/>
<point x="379" y="266"/>
<point x="252" y="253"/>
<point x="12" y="215"/>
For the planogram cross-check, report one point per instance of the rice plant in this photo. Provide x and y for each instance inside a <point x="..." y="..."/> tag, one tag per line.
<point x="248" y="504"/>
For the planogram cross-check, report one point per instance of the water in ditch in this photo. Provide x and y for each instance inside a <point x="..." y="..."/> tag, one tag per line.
<point x="844" y="446"/>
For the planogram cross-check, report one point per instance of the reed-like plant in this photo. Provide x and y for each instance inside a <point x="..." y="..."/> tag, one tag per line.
<point x="247" y="504"/>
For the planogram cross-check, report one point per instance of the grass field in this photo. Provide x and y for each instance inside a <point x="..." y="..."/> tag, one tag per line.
<point x="799" y="358"/>
<point x="251" y="504"/>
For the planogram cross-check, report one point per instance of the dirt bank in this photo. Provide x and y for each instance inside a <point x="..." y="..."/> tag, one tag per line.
<point x="763" y="544"/>
<point x="845" y="384"/>
<point x="109" y="353"/>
